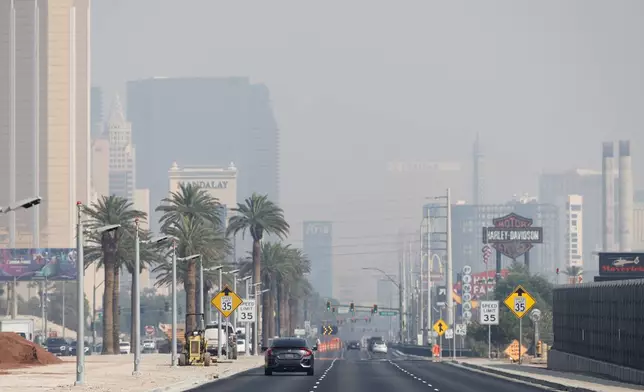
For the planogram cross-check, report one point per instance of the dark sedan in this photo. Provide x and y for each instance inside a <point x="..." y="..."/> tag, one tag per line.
<point x="353" y="345"/>
<point x="289" y="355"/>
<point x="73" y="345"/>
<point x="59" y="346"/>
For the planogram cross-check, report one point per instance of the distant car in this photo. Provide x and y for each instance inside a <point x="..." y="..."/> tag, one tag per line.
<point x="379" y="347"/>
<point x="353" y="345"/>
<point x="59" y="346"/>
<point x="241" y="346"/>
<point x="289" y="355"/>
<point x="72" y="348"/>
<point x="149" y="346"/>
<point x="124" y="347"/>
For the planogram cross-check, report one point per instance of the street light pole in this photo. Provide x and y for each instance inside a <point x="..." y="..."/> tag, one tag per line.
<point x="137" y="300"/>
<point x="80" y="286"/>
<point x="450" y="267"/>
<point x="247" y="326"/>
<point x="201" y="295"/>
<point x="174" y="305"/>
<point x="256" y="323"/>
<point x="219" y="319"/>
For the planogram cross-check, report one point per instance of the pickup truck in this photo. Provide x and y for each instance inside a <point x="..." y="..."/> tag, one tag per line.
<point x="229" y="340"/>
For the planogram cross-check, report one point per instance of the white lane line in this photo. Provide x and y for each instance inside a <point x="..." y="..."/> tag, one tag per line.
<point x="412" y="375"/>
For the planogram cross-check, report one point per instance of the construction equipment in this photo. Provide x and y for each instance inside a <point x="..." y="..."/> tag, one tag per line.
<point x="195" y="348"/>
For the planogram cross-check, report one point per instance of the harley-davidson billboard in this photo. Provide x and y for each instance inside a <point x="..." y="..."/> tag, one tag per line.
<point x="625" y="264"/>
<point x="513" y="235"/>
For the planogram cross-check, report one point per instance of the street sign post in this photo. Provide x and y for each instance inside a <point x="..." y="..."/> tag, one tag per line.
<point x="247" y="311"/>
<point x="461" y="329"/>
<point x="520" y="302"/>
<point x="226" y="301"/>
<point x="466" y="294"/>
<point x="489" y="313"/>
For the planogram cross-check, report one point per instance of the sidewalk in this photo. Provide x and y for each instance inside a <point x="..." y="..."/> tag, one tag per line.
<point x="112" y="373"/>
<point x="539" y="374"/>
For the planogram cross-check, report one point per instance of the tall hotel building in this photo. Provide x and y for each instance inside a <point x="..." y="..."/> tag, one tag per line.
<point x="44" y="118"/>
<point x="574" y="231"/>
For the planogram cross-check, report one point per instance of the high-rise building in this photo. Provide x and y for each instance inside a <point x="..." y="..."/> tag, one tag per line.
<point x="206" y="122"/>
<point x="318" y="245"/>
<point x="97" y="118"/>
<point x="100" y="166"/>
<point x="574" y="231"/>
<point x="44" y="118"/>
<point x="122" y="153"/>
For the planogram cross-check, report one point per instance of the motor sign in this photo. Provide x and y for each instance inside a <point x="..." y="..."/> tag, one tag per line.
<point x="246" y="311"/>
<point x="489" y="311"/>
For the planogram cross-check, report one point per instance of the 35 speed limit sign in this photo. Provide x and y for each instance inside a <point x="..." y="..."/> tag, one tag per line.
<point x="246" y="311"/>
<point x="489" y="313"/>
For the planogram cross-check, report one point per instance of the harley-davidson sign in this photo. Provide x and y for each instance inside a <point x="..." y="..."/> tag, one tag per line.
<point x="512" y="235"/>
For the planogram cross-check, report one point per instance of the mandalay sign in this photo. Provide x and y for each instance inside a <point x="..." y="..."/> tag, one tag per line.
<point x="210" y="184"/>
<point x="512" y="235"/>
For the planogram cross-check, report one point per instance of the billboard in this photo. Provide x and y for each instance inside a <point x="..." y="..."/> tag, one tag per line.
<point x="513" y="235"/>
<point x="621" y="264"/>
<point x="37" y="264"/>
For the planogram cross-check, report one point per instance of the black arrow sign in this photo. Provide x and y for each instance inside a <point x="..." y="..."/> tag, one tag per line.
<point x="227" y="291"/>
<point x="520" y="292"/>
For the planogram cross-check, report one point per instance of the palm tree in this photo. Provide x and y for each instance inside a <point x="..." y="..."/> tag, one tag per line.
<point x="258" y="215"/>
<point x="193" y="217"/>
<point x="294" y="286"/>
<point x="110" y="250"/>
<point x="573" y="272"/>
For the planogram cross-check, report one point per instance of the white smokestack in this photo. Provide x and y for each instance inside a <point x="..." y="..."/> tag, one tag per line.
<point x="608" y="196"/>
<point x="625" y="197"/>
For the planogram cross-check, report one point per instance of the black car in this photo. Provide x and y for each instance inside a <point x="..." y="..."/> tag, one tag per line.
<point x="289" y="355"/>
<point x="72" y="348"/>
<point x="353" y="345"/>
<point x="59" y="346"/>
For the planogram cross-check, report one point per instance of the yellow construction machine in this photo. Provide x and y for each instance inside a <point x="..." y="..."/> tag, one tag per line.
<point x="195" y="348"/>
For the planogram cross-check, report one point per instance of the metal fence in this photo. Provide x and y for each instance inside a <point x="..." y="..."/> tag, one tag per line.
<point x="603" y="321"/>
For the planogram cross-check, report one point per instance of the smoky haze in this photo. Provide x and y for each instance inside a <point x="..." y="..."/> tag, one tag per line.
<point x="358" y="85"/>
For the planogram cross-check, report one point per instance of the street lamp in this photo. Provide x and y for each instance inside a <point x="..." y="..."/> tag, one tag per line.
<point x="80" y="286"/>
<point x="137" y="293"/>
<point x="256" y="323"/>
<point x="234" y="274"/>
<point x="247" y="326"/>
<point x="22" y="204"/>
<point x="400" y="297"/>
<point x="174" y="298"/>
<point x="219" y="338"/>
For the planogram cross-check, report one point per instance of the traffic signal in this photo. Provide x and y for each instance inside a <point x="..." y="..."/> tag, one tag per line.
<point x="333" y="309"/>
<point x="352" y="308"/>
<point x="119" y="311"/>
<point x="328" y="306"/>
<point x="557" y="271"/>
<point x="166" y="306"/>
<point x="375" y="309"/>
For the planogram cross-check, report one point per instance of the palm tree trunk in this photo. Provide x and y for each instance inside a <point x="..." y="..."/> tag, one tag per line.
<point x="190" y="286"/>
<point x="108" y="306"/>
<point x="257" y="276"/>
<point x="116" y="326"/>
<point x="271" y="298"/>
<point x="292" y="314"/>
<point x="266" y="312"/>
<point x="278" y="318"/>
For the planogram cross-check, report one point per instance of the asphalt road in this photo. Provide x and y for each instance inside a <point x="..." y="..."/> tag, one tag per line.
<point x="360" y="371"/>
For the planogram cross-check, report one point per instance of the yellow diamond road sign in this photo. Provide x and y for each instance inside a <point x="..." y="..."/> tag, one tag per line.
<point x="226" y="301"/>
<point x="440" y="327"/>
<point x="520" y="302"/>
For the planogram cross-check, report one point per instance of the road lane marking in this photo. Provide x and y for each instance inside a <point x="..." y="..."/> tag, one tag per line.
<point x="412" y="375"/>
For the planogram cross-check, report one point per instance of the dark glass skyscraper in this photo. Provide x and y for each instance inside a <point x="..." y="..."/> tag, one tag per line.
<point x="318" y="246"/>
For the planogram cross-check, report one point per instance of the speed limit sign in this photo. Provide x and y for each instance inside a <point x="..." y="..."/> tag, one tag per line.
<point x="246" y="311"/>
<point x="489" y="313"/>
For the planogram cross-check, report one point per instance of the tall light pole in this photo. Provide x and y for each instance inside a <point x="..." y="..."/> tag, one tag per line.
<point x="80" y="287"/>
<point x="256" y="323"/>
<point x="234" y="274"/>
<point x="219" y="337"/>
<point x="22" y="204"/>
<point x="201" y="295"/>
<point x="137" y="293"/>
<point x="247" y="326"/>
<point x="400" y="297"/>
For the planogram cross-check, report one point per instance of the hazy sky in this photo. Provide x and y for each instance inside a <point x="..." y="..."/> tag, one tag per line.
<point x="358" y="83"/>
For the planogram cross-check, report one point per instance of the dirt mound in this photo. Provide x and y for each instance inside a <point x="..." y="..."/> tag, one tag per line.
<point x="16" y="351"/>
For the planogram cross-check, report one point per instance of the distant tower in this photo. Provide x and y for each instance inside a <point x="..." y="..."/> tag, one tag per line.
<point x="478" y="182"/>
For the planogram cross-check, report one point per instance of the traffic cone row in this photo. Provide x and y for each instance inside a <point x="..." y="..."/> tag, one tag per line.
<point x="331" y="345"/>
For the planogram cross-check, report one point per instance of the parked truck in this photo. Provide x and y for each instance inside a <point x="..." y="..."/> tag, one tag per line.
<point x="23" y="327"/>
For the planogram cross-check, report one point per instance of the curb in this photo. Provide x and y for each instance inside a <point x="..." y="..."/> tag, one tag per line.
<point x="520" y="379"/>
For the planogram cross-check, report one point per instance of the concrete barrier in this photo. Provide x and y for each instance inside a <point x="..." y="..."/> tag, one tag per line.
<point x="566" y="362"/>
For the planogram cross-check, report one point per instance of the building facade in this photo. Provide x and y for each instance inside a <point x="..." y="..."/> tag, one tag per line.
<point x="44" y="118"/>
<point x="574" y="231"/>
<point x="122" y="153"/>
<point x="318" y="246"/>
<point x="208" y="122"/>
